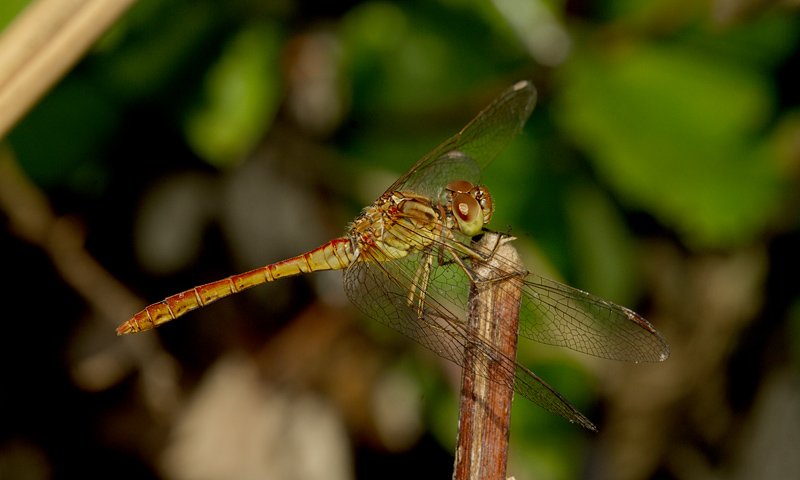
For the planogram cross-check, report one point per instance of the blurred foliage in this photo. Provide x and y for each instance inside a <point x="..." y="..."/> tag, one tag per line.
<point x="663" y="121"/>
<point x="677" y="134"/>
<point x="9" y="9"/>
<point x="242" y="97"/>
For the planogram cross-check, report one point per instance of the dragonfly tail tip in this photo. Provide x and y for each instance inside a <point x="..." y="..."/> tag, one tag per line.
<point x="125" y="329"/>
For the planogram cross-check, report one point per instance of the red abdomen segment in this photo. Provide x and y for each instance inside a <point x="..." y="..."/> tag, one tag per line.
<point x="334" y="255"/>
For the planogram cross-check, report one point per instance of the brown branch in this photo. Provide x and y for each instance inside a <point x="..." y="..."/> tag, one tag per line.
<point x="36" y="50"/>
<point x="32" y="219"/>
<point x="482" y="446"/>
<point x="42" y="44"/>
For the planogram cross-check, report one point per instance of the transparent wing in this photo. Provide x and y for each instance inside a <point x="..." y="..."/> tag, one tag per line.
<point x="556" y="314"/>
<point x="481" y="140"/>
<point x="392" y="293"/>
<point x="560" y="315"/>
<point x="424" y="295"/>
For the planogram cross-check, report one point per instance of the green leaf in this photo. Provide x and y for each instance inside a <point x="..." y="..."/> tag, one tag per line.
<point x="77" y="123"/>
<point x="423" y="56"/>
<point x="148" y="52"/>
<point x="242" y="95"/>
<point x="606" y="256"/>
<point x="674" y="132"/>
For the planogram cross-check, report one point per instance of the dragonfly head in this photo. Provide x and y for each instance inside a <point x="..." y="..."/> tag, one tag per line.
<point x="471" y="205"/>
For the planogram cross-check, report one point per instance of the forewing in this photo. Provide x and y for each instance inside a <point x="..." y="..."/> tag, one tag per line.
<point x="382" y="290"/>
<point x="557" y="314"/>
<point x="433" y="177"/>
<point x="436" y="317"/>
<point x="481" y="140"/>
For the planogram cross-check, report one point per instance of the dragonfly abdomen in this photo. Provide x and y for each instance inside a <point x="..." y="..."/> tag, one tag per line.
<point x="334" y="255"/>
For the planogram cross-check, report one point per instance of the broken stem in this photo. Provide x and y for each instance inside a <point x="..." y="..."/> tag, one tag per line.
<point x="486" y="390"/>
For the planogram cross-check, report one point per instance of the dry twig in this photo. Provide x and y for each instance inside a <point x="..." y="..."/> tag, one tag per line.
<point x="42" y="44"/>
<point x="485" y="414"/>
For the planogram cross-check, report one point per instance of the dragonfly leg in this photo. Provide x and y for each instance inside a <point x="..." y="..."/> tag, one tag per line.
<point x="469" y="253"/>
<point x="428" y="312"/>
<point x="500" y="239"/>
<point x="421" y="280"/>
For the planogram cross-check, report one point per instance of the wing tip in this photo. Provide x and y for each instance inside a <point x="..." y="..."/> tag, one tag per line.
<point x="522" y="84"/>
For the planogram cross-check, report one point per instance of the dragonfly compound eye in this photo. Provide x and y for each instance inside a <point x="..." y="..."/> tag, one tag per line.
<point x="481" y="194"/>
<point x="468" y="213"/>
<point x="459" y="186"/>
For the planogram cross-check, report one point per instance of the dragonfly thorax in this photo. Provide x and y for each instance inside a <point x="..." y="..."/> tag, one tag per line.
<point x="397" y="224"/>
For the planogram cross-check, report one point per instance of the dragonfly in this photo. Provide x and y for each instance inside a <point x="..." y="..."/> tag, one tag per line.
<point x="408" y="263"/>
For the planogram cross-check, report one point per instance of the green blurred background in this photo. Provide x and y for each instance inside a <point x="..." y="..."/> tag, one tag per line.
<point x="199" y="139"/>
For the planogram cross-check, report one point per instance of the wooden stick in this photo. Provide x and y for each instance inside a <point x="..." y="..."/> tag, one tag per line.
<point x="42" y="44"/>
<point x="482" y="446"/>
